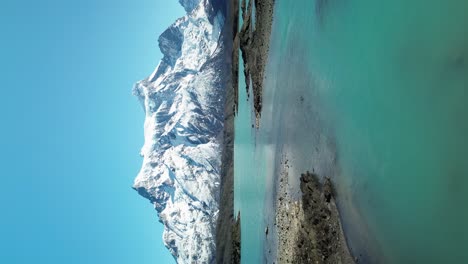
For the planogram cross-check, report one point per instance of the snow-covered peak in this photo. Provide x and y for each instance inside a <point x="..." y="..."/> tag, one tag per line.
<point x="183" y="101"/>
<point x="189" y="5"/>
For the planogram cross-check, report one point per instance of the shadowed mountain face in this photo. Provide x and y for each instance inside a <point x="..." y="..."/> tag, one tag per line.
<point x="184" y="106"/>
<point x="189" y="5"/>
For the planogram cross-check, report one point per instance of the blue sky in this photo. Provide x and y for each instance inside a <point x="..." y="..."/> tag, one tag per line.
<point x="71" y="130"/>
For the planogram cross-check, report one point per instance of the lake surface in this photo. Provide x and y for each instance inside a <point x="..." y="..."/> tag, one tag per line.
<point x="374" y="95"/>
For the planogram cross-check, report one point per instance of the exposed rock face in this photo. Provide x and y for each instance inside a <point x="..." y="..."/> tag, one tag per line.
<point x="254" y="40"/>
<point x="236" y="241"/>
<point x="310" y="230"/>
<point x="228" y="229"/>
<point x="184" y="101"/>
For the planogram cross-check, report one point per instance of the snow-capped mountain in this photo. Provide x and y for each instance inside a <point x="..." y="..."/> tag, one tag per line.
<point x="183" y="101"/>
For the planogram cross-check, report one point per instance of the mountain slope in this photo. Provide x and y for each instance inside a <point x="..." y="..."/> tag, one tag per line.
<point x="183" y="101"/>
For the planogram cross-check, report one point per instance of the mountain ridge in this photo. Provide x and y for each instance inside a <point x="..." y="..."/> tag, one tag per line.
<point x="184" y="100"/>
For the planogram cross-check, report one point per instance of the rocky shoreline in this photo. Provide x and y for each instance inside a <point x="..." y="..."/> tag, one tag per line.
<point x="236" y="239"/>
<point x="254" y="39"/>
<point x="228" y="227"/>
<point x="254" y="47"/>
<point x="309" y="230"/>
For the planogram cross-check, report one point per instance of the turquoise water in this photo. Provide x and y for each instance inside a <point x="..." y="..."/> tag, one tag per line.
<point x="249" y="188"/>
<point x="391" y="79"/>
<point x="249" y="176"/>
<point x="373" y="94"/>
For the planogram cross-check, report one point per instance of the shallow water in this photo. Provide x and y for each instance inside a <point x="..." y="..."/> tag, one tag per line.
<point x="373" y="94"/>
<point x="249" y="176"/>
<point x="249" y="188"/>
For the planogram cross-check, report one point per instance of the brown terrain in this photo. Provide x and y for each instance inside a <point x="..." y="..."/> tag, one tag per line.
<point x="228" y="228"/>
<point x="309" y="230"/>
<point x="254" y="39"/>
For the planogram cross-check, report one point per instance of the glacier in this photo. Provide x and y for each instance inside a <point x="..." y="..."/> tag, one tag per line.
<point x="184" y="100"/>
